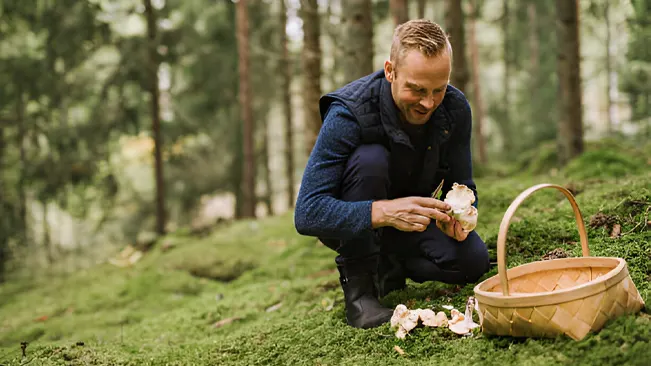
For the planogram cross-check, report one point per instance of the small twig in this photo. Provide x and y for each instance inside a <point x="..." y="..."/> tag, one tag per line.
<point x="617" y="205"/>
<point x="645" y="219"/>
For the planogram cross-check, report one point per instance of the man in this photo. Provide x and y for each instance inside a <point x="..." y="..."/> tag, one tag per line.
<point x="387" y="141"/>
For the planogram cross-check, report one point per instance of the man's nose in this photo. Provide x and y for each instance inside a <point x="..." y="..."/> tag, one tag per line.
<point x="427" y="102"/>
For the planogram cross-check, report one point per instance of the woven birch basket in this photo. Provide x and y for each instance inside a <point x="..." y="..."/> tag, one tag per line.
<point x="571" y="296"/>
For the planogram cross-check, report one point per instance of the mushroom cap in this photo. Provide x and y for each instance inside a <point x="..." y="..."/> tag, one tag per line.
<point x="460" y="197"/>
<point x="399" y="314"/>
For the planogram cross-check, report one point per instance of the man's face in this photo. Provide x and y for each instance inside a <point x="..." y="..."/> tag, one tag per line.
<point x="418" y="84"/>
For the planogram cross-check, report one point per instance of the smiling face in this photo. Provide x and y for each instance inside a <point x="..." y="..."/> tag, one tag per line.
<point x="418" y="83"/>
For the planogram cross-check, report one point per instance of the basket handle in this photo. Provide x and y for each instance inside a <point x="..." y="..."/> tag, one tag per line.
<point x="506" y="220"/>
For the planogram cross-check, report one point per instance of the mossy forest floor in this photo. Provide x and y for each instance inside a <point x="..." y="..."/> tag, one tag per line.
<point x="279" y="295"/>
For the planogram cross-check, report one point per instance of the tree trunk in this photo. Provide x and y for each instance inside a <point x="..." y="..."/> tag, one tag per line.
<point x="152" y="68"/>
<point x="237" y="163"/>
<point x="286" y="80"/>
<point x="20" y="141"/>
<point x="534" y="54"/>
<point x="334" y="33"/>
<point x="358" y="34"/>
<point x="266" y="170"/>
<point x="454" y="21"/>
<point x="311" y="70"/>
<point x="246" y="110"/>
<point x="399" y="11"/>
<point x="570" y="126"/>
<point x="611" y="73"/>
<point x="421" y="9"/>
<point x="533" y="40"/>
<point x="5" y="214"/>
<point x="505" y="123"/>
<point x="47" y="243"/>
<point x="478" y="113"/>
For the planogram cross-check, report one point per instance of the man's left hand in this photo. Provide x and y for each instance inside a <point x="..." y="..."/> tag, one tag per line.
<point x="452" y="229"/>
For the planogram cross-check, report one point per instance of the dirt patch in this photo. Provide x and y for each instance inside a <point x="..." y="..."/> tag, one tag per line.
<point x="601" y="220"/>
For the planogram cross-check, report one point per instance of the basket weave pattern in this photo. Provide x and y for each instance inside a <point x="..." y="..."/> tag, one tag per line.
<point x="571" y="296"/>
<point x="575" y="318"/>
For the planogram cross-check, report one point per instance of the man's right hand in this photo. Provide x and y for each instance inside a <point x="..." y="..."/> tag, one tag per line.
<point x="408" y="213"/>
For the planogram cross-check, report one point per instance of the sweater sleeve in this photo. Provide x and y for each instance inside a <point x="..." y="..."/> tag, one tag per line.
<point x="319" y="212"/>
<point x="460" y="159"/>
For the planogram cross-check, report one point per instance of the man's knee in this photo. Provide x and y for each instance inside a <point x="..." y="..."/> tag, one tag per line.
<point x="473" y="260"/>
<point x="369" y="161"/>
<point x="367" y="174"/>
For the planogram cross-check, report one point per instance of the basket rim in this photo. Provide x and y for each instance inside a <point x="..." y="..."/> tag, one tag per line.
<point x="600" y="284"/>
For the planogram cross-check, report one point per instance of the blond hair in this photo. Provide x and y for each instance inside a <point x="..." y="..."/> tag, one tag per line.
<point x="420" y="34"/>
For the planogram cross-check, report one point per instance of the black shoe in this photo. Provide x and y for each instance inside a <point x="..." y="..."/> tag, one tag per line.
<point x="391" y="275"/>
<point x="357" y="278"/>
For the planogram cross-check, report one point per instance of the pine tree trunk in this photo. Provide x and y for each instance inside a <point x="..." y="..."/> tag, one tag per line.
<point x="454" y="21"/>
<point x="20" y="140"/>
<point x="399" y="11"/>
<point x="505" y="122"/>
<point x="285" y="67"/>
<point x="266" y="171"/>
<point x="152" y="68"/>
<point x="534" y="55"/>
<point x="478" y="112"/>
<point x="237" y="164"/>
<point x="334" y="33"/>
<point x="311" y="70"/>
<point x="357" y="58"/>
<point x="421" y="9"/>
<point x="570" y="126"/>
<point x="246" y="110"/>
<point x="47" y="243"/>
<point x="611" y="73"/>
<point x="4" y="214"/>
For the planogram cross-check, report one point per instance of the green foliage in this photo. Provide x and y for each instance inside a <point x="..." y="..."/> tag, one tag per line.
<point x="604" y="164"/>
<point x="636" y="80"/>
<point x="538" y="160"/>
<point x="157" y="312"/>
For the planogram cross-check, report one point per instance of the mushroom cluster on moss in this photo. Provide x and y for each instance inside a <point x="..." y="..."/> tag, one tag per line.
<point x="404" y="320"/>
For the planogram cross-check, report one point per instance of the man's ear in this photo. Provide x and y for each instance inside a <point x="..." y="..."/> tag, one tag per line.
<point x="388" y="71"/>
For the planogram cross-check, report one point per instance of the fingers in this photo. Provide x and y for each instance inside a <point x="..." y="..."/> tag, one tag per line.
<point x="432" y="213"/>
<point x="418" y="227"/>
<point x="431" y="203"/>
<point x="459" y="233"/>
<point x="412" y="226"/>
<point x="445" y="228"/>
<point x="419" y="219"/>
<point x="412" y="222"/>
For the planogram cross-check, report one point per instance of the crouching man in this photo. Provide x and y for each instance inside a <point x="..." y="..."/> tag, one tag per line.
<point x="387" y="141"/>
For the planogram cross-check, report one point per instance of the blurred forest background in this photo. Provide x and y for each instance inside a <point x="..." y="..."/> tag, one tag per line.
<point x="121" y="120"/>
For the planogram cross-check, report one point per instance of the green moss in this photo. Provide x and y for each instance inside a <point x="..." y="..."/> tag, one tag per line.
<point x="161" y="312"/>
<point x="602" y="164"/>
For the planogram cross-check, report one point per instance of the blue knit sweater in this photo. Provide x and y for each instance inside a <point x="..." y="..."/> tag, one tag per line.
<point x="319" y="212"/>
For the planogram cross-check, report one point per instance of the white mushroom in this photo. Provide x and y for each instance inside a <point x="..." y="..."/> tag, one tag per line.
<point x="399" y="313"/>
<point x="460" y="198"/>
<point x="431" y="319"/>
<point x="463" y="323"/>
<point x="401" y="333"/>
<point x="456" y="316"/>
<point x="404" y="320"/>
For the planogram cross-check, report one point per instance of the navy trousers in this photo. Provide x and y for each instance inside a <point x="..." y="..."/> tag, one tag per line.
<point x="426" y="256"/>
